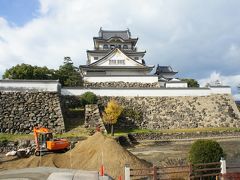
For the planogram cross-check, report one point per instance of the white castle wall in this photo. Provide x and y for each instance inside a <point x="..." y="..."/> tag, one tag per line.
<point x="54" y="86"/>
<point x="38" y="85"/>
<point x="176" y="85"/>
<point x="155" y="92"/>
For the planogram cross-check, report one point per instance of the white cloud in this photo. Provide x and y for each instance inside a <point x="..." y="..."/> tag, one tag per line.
<point x="231" y="80"/>
<point x="194" y="37"/>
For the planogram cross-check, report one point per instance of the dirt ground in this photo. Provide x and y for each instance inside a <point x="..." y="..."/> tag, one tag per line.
<point x="88" y="155"/>
<point x="85" y="155"/>
<point x="175" y="153"/>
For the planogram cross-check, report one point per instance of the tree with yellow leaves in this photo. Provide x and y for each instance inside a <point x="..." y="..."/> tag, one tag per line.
<point x="111" y="113"/>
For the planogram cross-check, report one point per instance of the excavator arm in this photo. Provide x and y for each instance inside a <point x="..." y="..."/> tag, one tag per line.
<point x="36" y="132"/>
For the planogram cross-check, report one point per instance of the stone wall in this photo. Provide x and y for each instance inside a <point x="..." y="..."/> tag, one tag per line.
<point x="181" y="112"/>
<point x="21" y="111"/>
<point x="120" y="85"/>
<point x="92" y="117"/>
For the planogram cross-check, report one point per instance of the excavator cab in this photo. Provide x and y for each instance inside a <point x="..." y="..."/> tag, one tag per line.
<point x="43" y="138"/>
<point x="46" y="143"/>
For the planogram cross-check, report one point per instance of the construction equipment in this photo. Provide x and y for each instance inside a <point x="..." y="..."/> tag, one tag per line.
<point x="45" y="142"/>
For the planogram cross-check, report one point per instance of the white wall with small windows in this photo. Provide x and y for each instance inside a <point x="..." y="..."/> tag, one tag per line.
<point x="112" y="45"/>
<point x="119" y="59"/>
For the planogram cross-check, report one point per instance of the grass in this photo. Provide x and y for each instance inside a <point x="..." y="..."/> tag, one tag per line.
<point x="172" y="131"/>
<point x="82" y="132"/>
<point x="76" y="132"/>
<point x="14" y="137"/>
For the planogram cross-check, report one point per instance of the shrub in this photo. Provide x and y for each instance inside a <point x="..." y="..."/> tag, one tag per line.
<point x="88" y="98"/>
<point x="205" y="151"/>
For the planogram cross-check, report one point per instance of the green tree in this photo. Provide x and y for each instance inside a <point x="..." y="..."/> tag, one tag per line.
<point x="191" y="82"/>
<point x="88" y="98"/>
<point x="111" y="114"/>
<point x="68" y="74"/>
<point x="205" y="151"/>
<point x="26" y="71"/>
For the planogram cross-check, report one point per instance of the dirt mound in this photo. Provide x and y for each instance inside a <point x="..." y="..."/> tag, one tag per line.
<point x="88" y="155"/>
<point x="96" y="150"/>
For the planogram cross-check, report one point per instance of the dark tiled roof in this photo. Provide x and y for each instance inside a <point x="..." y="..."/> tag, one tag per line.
<point x="164" y="69"/>
<point x="130" y="52"/>
<point x="109" y="34"/>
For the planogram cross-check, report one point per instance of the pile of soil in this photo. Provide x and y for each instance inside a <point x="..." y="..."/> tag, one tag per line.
<point x="87" y="155"/>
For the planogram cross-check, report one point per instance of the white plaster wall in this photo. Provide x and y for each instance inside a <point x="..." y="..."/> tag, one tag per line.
<point x="29" y="85"/>
<point x="142" y="79"/>
<point x="220" y="90"/>
<point x="119" y="56"/>
<point x="92" y="58"/>
<point x="143" y="92"/>
<point x="176" y="85"/>
<point x="162" y="84"/>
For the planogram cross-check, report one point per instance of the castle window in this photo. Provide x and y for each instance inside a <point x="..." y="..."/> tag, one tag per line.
<point x="125" y="46"/>
<point x="95" y="58"/>
<point x="105" y="46"/>
<point x="119" y="46"/>
<point x="114" y="62"/>
<point x="112" y="46"/>
<point x="136" y="58"/>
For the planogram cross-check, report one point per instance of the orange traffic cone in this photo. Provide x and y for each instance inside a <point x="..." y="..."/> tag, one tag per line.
<point x="102" y="170"/>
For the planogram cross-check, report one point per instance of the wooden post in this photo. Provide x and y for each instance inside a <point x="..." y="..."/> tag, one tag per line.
<point x="223" y="167"/>
<point x="154" y="172"/>
<point x="127" y="172"/>
<point x="190" y="171"/>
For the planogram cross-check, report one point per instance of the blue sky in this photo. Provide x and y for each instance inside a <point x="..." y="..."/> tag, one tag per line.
<point x="19" y="12"/>
<point x="200" y="39"/>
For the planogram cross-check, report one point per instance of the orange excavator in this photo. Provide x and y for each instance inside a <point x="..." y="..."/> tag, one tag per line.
<point x="45" y="142"/>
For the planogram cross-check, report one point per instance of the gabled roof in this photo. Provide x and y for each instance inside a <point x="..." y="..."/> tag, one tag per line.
<point x="111" y="53"/>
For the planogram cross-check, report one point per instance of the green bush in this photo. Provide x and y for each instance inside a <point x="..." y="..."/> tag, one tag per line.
<point x="88" y="98"/>
<point x="205" y="151"/>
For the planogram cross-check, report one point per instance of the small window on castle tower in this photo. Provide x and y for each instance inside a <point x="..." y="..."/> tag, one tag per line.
<point x="95" y="58"/>
<point x="112" y="46"/>
<point x="125" y="46"/>
<point x="105" y="46"/>
<point x="136" y="58"/>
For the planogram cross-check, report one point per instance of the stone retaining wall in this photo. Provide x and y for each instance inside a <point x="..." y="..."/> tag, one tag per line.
<point x="181" y="112"/>
<point x="92" y="117"/>
<point x="182" y="136"/>
<point x="21" y="111"/>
